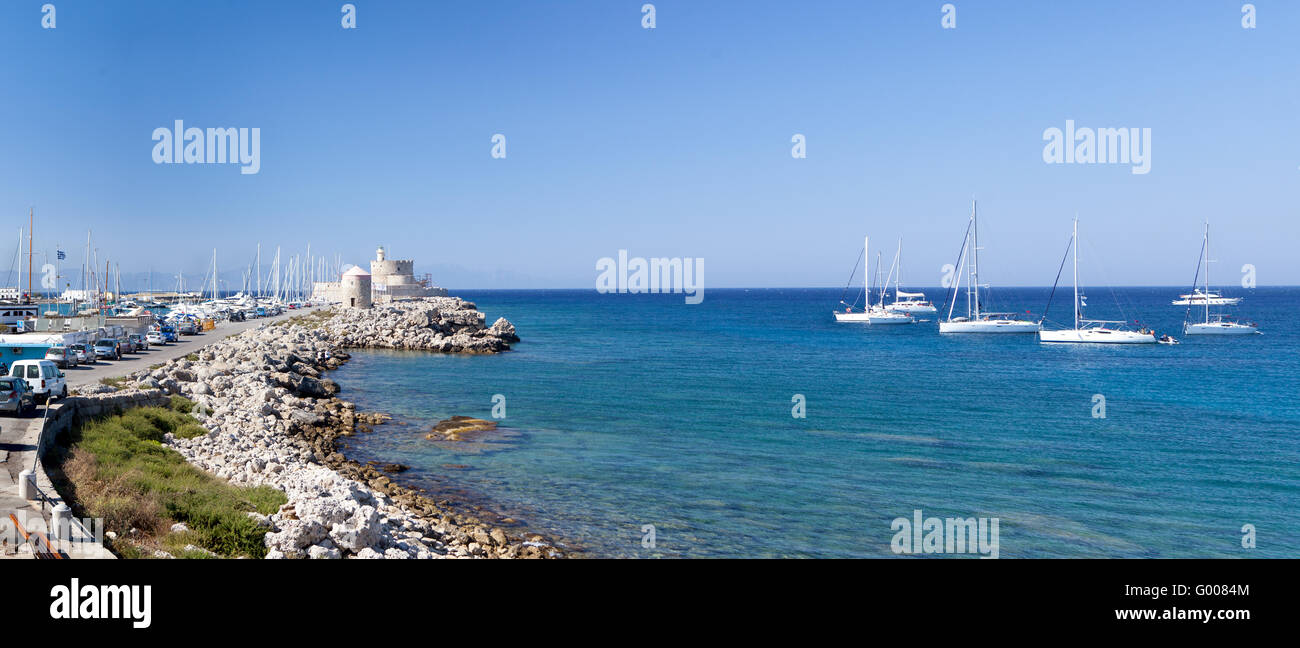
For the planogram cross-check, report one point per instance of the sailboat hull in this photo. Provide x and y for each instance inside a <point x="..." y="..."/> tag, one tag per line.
<point x="874" y="318"/>
<point x="1219" y="328"/>
<point x="912" y="309"/>
<point x="1095" y="336"/>
<point x="989" y="326"/>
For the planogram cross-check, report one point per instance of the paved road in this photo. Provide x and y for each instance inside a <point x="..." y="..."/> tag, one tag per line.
<point x="19" y="435"/>
<point x="87" y="374"/>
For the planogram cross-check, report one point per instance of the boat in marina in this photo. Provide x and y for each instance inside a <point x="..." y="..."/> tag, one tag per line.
<point x="874" y="314"/>
<point x="976" y="320"/>
<point x="1090" y="331"/>
<point x="1213" y="323"/>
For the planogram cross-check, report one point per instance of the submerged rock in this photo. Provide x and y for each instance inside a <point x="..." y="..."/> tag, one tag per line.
<point x="460" y="428"/>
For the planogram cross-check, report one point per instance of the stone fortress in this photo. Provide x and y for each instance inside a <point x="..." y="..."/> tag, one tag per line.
<point x="388" y="280"/>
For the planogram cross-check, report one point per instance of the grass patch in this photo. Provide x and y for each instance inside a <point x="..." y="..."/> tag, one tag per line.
<point x="117" y="469"/>
<point x="312" y="320"/>
<point x="181" y="404"/>
<point x="116" y="383"/>
<point x="192" y="357"/>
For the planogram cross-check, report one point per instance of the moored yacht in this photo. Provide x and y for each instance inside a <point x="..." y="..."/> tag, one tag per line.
<point x="1089" y="331"/>
<point x="976" y="320"/>
<point x="1212" y="324"/>
<point x="912" y="303"/>
<point x="871" y="313"/>
<point x="1205" y="297"/>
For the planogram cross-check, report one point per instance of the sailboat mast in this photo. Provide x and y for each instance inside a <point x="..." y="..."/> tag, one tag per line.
<point x="898" y="278"/>
<point x="975" y="256"/>
<point x="866" y="273"/>
<point x="1076" y="273"/>
<point x="1207" y="272"/>
<point x="31" y="216"/>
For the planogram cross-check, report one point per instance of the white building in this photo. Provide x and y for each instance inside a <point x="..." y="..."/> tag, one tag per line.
<point x="388" y="280"/>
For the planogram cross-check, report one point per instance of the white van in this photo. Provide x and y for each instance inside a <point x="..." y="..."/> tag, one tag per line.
<point x="43" y="376"/>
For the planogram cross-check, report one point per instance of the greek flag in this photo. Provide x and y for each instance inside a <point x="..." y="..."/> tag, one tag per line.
<point x="62" y="256"/>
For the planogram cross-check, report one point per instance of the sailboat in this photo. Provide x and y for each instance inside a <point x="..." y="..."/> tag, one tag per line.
<point x="1216" y="324"/>
<point x="1088" y="331"/>
<point x="975" y="320"/>
<point x="912" y="303"/>
<point x="870" y="313"/>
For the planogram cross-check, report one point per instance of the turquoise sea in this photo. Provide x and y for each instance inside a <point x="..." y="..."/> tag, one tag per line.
<point x="629" y="410"/>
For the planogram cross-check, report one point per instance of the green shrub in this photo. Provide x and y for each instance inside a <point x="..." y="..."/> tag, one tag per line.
<point x="181" y="404"/>
<point x="118" y="469"/>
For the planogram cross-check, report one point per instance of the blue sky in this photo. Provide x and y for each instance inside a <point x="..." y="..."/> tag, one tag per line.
<point x="666" y="142"/>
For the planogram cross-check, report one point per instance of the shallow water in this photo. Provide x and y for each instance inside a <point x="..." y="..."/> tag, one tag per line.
<point x="637" y="410"/>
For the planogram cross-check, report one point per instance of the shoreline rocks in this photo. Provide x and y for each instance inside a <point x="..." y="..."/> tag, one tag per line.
<point x="274" y="419"/>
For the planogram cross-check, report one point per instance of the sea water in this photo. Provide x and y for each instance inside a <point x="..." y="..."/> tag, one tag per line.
<point x="642" y="426"/>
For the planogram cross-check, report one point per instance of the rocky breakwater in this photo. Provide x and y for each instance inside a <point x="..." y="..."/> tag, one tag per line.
<point x="274" y="419"/>
<point x="443" y="324"/>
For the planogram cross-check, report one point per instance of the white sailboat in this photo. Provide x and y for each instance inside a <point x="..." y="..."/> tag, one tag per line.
<point x="1087" y="331"/>
<point x="911" y="303"/>
<point x="870" y="313"/>
<point x="975" y="320"/>
<point x="1215" y="324"/>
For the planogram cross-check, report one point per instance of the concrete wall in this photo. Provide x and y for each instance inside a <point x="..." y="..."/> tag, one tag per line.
<point x="61" y="417"/>
<point x="67" y="412"/>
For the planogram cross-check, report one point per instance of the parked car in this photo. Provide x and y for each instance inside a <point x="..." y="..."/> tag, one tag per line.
<point x="155" y="337"/>
<point x="61" y="356"/>
<point x="141" y="344"/>
<point x="15" y="396"/>
<point x="43" y="376"/>
<point x="108" y="349"/>
<point x="85" y="353"/>
<point x="188" y="328"/>
<point x="168" y="332"/>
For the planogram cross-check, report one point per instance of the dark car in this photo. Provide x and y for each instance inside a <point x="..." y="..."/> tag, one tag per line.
<point x="15" y="396"/>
